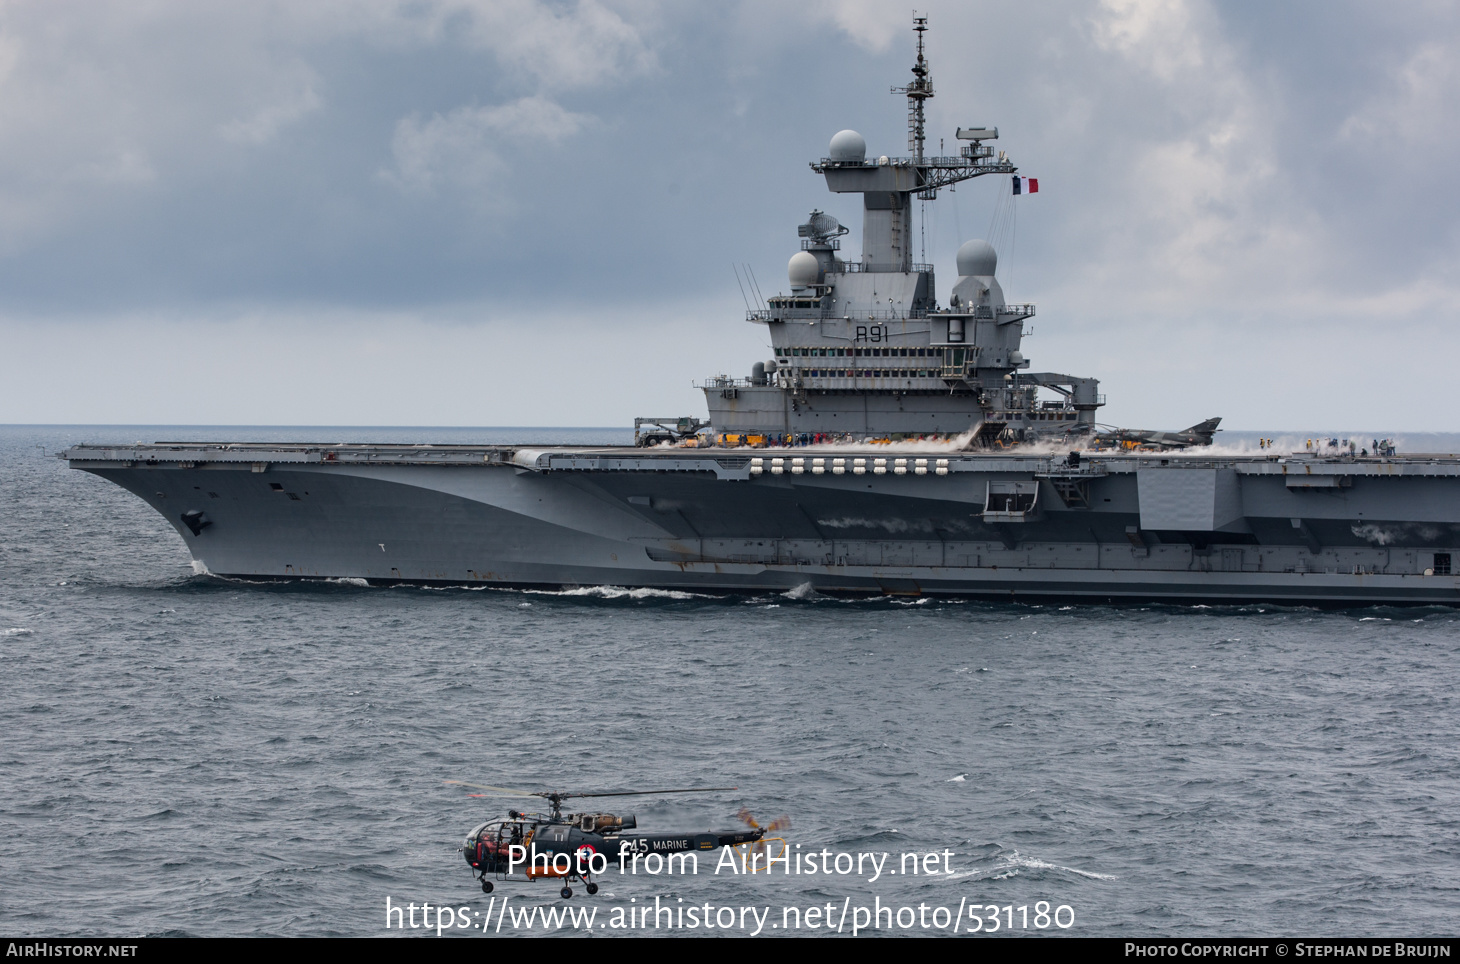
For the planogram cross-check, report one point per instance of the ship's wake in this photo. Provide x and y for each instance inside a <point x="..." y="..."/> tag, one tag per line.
<point x="1014" y="864"/>
<point x="616" y="592"/>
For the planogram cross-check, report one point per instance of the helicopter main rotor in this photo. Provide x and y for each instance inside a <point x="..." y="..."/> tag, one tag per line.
<point x="555" y="798"/>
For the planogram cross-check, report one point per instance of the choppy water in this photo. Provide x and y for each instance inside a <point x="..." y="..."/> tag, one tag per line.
<point x="181" y="754"/>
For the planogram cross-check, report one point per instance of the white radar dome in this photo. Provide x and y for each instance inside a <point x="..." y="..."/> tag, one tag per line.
<point x="977" y="258"/>
<point x="804" y="270"/>
<point x="848" y="146"/>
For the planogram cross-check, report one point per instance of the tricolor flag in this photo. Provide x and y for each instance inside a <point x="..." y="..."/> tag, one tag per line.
<point x="1026" y="185"/>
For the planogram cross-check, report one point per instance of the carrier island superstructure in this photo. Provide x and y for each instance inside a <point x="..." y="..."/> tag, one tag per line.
<point x="862" y="347"/>
<point x="863" y="350"/>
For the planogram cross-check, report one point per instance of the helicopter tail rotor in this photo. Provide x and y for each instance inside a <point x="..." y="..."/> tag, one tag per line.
<point x="757" y="854"/>
<point x="780" y="823"/>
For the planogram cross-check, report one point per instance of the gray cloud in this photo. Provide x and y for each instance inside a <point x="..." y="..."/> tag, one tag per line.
<point x="1244" y="211"/>
<point x="465" y="147"/>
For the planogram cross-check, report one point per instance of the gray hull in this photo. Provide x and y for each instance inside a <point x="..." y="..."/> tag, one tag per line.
<point x="1117" y="527"/>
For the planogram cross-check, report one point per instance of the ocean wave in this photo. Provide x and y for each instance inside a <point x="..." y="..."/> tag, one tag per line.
<point x="1015" y="859"/>
<point x="1010" y="864"/>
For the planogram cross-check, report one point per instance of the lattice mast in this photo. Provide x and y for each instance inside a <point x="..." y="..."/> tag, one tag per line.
<point x="920" y="90"/>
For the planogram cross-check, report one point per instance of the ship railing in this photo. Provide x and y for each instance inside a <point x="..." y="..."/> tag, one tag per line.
<point x="769" y="315"/>
<point x="970" y="159"/>
<point x="1061" y="469"/>
<point x="779" y="313"/>
<point x="855" y="267"/>
<point x="861" y="378"/>
<point x="884" y="314"/>
<point x="910" y="379"/>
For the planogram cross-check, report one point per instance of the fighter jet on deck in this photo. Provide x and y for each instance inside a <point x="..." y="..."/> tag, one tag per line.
<point x="1138" y="438"/>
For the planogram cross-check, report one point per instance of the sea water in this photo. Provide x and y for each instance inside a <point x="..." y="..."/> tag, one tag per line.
<point x="184" y="754"/>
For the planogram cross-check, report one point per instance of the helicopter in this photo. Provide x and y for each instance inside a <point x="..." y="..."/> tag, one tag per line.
<point x="580" y="846"/>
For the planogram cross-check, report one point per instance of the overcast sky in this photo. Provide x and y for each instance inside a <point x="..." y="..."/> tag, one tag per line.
<point x="509" y="212"/>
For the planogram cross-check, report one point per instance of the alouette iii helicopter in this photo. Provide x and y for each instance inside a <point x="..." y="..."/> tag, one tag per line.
<point x="580" y="846"/>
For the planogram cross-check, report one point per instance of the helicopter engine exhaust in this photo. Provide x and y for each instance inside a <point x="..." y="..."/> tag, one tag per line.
<point x="601" y="822"/>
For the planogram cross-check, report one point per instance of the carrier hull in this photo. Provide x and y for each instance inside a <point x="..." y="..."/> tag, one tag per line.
<point x="1187" y="528"/>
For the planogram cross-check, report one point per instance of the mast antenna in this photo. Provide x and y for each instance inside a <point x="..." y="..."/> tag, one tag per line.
<point x="920" y="90"/>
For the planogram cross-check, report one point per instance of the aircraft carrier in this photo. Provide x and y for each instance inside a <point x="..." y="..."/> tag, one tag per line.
<point x="892" y="445"/>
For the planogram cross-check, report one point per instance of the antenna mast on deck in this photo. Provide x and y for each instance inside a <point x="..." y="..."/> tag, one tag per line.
<point x="887" y="184"/>
<point x="918" y="91"/>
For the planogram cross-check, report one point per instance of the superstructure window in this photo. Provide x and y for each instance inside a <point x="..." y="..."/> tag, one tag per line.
<point x="1442" y="564"/>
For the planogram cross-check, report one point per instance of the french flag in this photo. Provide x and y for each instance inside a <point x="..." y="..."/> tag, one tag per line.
<point x="1026" y="185"/>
